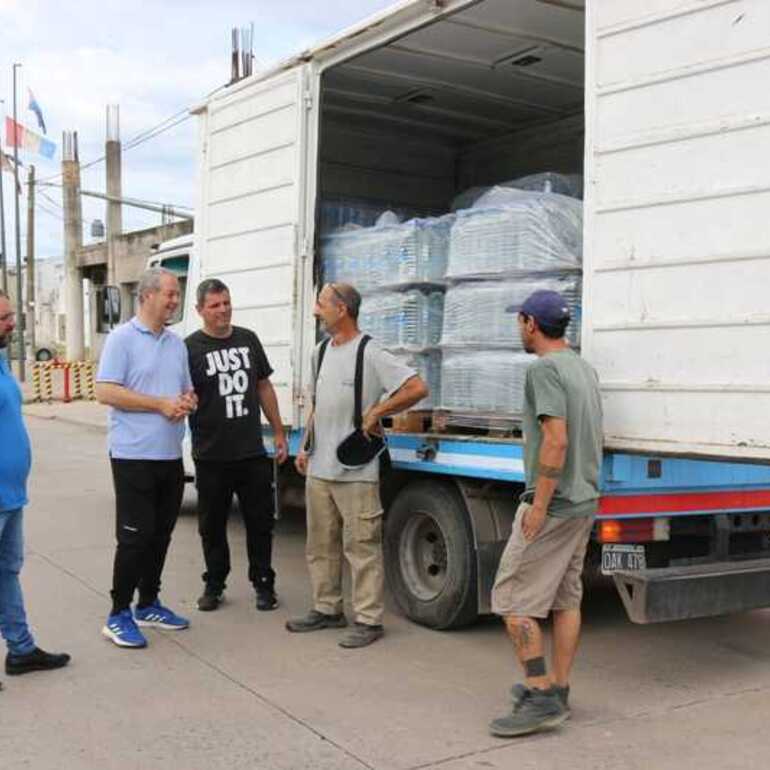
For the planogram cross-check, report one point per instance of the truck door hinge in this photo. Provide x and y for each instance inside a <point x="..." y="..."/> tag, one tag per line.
<point x="308" y="100"/>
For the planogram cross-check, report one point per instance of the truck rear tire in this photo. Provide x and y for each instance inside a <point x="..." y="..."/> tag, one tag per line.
<point x="430" y="559"/>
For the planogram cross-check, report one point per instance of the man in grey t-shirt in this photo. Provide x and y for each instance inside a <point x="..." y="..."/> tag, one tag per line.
<point x="540" y="569"/>
<point x="344" y="512"/>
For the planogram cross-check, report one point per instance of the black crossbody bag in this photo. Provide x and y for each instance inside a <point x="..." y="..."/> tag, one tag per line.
<point x="357" y="449"/>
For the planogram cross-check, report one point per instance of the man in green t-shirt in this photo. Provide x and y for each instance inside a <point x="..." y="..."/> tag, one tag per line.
<point x="540" y="569"/>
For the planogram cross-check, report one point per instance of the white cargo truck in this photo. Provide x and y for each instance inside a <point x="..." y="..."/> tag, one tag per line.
<point x="662" y="106"/>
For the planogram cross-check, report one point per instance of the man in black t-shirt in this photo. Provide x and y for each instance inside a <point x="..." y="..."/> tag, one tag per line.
<point x="231" y="376"/>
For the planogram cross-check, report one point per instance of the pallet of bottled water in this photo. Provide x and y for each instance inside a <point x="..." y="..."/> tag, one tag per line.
<point x="427" y="364"/>
<point x="509" y="232"/>
<point x="545" y="182"/>
<point x="479" y="382"/>
<point x="403" y="320"/>
<point x="475" y="312"/>
<point x="390" y="254"/>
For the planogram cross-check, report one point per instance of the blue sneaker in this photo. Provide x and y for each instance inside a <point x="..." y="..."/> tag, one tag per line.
<point x="121" y="630"/>
<point x="160" y="617"/>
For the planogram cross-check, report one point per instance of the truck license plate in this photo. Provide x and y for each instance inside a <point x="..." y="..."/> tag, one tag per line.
<point x="617" y="557"/>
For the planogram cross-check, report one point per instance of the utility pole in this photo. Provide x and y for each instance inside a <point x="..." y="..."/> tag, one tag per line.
<point x="2" y="222"/>
<point x="73" y="241"/>
<point x="19" y="302"/>
<point x="31" y="260"/>
<point x="112" y="153"/>
<point x="3" y="162"/>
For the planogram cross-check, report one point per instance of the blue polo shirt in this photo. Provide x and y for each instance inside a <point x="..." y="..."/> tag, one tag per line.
<point x="15" y="454"/>
<point x="154" y="365"/>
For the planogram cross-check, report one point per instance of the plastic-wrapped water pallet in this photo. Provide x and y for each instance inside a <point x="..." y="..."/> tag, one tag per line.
<point x="475" y="315"/>
<point x="409" y="320"/>
<point x="479" y="382"/>
<point x="388" y="255"/>
<point x="428" y="365"/>
<point x="548" y="182"/>
<point x="338" y="212"/>
<point x="509" y="232"/>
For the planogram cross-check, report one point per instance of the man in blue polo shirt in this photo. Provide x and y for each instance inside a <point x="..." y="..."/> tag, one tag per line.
<point x="144" y="376"/>
<point x="15" y="457"/>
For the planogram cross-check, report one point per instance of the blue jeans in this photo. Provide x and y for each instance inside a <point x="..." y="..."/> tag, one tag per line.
<point x="13" y="619"/>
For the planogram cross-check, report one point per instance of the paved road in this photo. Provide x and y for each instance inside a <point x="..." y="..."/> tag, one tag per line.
<point x="236" y="691"/>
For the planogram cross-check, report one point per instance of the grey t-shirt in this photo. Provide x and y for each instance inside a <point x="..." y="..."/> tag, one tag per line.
<point x="562" y="384"/>
<point x="333" y="421"/>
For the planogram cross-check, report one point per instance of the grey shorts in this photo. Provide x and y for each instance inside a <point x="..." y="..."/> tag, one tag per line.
<point x="545" y="574"/>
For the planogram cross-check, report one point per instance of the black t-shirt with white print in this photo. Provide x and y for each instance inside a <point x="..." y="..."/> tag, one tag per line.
<point x="225" y="372"/>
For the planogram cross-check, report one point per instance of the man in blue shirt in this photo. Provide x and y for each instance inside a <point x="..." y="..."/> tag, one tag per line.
<point x="15" y="459"/>
<point x="144" y="376"/>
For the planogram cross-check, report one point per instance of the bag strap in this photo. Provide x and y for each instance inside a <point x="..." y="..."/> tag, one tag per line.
<point x="358" y="418"/>
<point x="321" y="353"/>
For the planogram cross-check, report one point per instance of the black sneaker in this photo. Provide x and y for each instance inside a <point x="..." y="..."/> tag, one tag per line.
<point x="361" y="635"/>
<point x="536" y="710"/>
<point x="315" y="621"/>
<point x="518" y="690"/>
<point x="208" y="601"/>
<point x="266" y="599"/>
<point x="37" y="660"/>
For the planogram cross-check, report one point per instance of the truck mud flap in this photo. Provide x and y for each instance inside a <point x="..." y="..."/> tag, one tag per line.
<point x="679" y="593"/>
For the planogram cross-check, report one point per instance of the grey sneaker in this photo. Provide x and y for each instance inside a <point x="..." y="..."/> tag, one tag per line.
<point x="518" y="690"/>
<point x="361" y="635"/>
<point x="315" y="621"/>
<point x="208" y="601"/>
<point x="535" y="711"/>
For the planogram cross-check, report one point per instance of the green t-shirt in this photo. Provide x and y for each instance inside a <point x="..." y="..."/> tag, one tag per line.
<point x="562" y="384"/>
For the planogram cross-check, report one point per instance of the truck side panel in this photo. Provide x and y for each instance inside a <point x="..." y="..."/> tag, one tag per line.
<point x="252" y="218"/>
<point x="676" y="255"/>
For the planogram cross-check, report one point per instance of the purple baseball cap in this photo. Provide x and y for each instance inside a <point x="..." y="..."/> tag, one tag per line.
<point x="548" y="308"/>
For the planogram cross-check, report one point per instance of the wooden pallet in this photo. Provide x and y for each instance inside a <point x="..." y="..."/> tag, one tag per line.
<point x="418" y="421"/>
<point x="466" y="423"/>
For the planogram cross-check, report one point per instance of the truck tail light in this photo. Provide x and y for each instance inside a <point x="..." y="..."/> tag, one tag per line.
<point x="633" y="530"/>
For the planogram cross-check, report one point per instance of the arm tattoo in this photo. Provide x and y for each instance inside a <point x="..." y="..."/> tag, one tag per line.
<point x="534" y="667"/>
<point x="550" y="471"/>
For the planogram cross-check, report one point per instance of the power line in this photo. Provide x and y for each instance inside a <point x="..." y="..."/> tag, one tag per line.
<point x="50" y="199"/>
<point x="143" y="136"/>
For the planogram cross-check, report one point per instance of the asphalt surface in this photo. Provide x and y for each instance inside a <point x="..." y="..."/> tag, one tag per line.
<point x="236" y="691"/>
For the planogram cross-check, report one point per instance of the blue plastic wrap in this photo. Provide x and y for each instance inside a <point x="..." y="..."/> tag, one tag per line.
<point x="388" y="255"/>
<point x="409" y="320"/>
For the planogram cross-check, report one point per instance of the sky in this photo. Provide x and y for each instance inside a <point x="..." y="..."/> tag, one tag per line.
<point x="154" y="59"/>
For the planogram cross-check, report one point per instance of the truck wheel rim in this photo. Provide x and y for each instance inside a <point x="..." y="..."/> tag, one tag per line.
<point x="423" y="557"/>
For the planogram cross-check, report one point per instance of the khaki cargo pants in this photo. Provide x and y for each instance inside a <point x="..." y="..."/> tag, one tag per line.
<point x="345" y="517"/>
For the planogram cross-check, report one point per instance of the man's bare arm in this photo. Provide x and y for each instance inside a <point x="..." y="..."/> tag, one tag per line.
<point x="300" y="462"/>
<point x="269" y="402"/>
<point x="120" y="397"/>
<point x="553" y="451"/>
<point x="412" y="391"/>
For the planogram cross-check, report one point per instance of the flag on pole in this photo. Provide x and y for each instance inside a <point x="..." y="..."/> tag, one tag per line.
<point x="35" y="107"/>
<point x="19" y="136"/>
